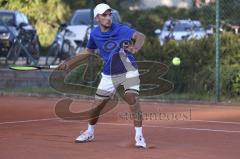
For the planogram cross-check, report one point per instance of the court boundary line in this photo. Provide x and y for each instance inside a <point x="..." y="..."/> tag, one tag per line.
<point x="43" y="119"/>
<point x="27" y="121"/>
<point x="122" y="124"/>
<point x="174" y="127"/>
<point x="46" y="119"/>
<point x="215" y="121"/>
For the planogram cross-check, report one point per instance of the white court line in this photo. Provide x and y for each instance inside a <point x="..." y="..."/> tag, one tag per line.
<point x="173" y="127"/>
<point x="27" y="121"/>
<point x="203" y="121"/>
<point x="119" y="124"/>
<point x="213" y="121"/>
<point x="46" y="119"/>
<point x="166" y="127"/>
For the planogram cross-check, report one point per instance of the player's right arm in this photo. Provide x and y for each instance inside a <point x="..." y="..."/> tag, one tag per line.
<point x="76" y="60"/>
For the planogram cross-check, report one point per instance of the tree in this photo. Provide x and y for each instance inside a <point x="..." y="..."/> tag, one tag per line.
<point x="46" y="15"/>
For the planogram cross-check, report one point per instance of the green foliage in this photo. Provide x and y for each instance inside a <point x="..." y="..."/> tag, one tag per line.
<point x="46" y="15"/>
<point x="230" y="62"/>
<point x="151" y="50"/>
<point x="230" y="11"/>
<point x="197" y="70"/>
<point x="73" y="4"/>
<point x="148" y="20"/>
<point x="196" y="74"/>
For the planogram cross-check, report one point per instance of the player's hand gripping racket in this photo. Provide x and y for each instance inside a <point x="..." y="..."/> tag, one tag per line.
<point x="31" y="68"/>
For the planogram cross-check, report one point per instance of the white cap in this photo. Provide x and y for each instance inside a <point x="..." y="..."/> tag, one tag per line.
<point x="100" y="9"/>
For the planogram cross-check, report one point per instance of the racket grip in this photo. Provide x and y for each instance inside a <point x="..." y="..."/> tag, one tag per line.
<point x="53" y="66"/>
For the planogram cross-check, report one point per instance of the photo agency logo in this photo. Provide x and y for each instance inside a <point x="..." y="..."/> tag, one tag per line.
<point x="157" y="115"/>
<point x="147" y="74"/>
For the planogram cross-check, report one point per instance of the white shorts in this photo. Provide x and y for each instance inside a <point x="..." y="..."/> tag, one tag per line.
<point x="109" y="84"/>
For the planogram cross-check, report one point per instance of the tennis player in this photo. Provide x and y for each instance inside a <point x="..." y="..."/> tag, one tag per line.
<point x="114" y="44"/>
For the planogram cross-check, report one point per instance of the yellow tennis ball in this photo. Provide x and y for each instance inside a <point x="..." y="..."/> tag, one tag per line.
<point x="176" y="61"/>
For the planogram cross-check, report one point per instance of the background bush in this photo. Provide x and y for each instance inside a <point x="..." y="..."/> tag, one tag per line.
<point x="45" y="15"/>
<point x="194" y="75"/>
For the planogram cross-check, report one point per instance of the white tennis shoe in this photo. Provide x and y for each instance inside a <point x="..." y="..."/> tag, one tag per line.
<point x="140" y="142"/>
<point x="88" y="136"/>
<point x="84" y="137"/>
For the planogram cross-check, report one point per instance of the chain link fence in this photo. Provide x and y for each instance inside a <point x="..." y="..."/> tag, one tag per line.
<point x="208" y="69"/>
<point x="230" y="54"/>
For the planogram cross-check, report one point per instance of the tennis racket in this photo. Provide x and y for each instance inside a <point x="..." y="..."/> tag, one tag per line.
<point x="31" y="68"/>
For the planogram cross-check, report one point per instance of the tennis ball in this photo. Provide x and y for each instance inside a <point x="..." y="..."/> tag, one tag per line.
<point x="176" y="61"/>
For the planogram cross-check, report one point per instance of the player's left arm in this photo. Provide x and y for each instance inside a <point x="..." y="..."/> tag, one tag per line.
<point x="139" y="39"/>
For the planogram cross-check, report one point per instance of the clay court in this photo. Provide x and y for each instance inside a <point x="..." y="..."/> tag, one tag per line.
<point x="29" y="128"/>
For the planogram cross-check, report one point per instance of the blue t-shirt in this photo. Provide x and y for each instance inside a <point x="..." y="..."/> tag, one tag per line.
<point x="109" y="45"/>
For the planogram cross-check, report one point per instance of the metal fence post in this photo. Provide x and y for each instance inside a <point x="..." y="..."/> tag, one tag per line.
<point x="91" y="59"/>
<point x="217" y="57"/>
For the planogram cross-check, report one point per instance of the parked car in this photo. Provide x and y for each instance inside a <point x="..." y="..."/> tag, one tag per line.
<point x="73" y="35"/>
<point x="180" y="30"/>
<point x="15" y="26"/>
<point x="79" y="24"/>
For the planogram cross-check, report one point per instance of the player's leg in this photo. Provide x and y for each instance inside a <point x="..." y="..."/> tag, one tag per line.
<point x="131" y="98"/>
<point x="99" y="104"/>
<point x="103" y="103"/>
<point x="131" y="86"/>
<point x="88" y="134"/>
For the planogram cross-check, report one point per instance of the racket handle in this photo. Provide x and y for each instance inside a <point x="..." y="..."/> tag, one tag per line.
<point x="53" y="66"/>
<point x="47" y="67"/>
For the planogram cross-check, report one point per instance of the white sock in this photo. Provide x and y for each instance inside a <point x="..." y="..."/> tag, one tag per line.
<point x="138" y="131"/>
<point x="91" y="128"/>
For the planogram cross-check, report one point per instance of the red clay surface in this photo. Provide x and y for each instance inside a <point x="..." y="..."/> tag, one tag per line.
<point x="29" y="128"/>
